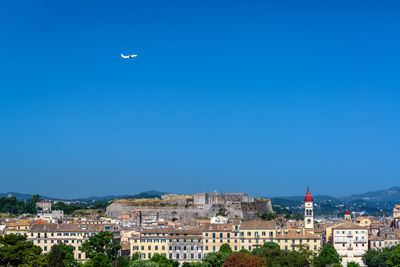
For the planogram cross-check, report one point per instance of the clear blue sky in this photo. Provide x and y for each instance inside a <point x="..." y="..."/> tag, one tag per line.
<point x="256" y="96"/>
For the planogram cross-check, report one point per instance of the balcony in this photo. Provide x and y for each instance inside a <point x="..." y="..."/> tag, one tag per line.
<point x="350" y="248"/>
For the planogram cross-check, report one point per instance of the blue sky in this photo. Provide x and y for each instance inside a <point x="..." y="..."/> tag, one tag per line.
<point x="256" y="96"/>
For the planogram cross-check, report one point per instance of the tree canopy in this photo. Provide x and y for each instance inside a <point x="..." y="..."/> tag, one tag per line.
<point x="328" y="255"/>
<point x="61" y="255"/>
<point x="100" y="244"/>
<point x="15" y="250"/>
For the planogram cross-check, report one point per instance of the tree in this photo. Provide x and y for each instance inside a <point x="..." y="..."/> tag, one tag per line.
<point x="267" y="216"/>
<point x="122" y="262"/>
<point x="163" y="261"/>
<point x="102" y="243"/>
<point x="98" y="260"/>
<point x="215" y="259"/>
<point x="15" y="250"/>
<point x="308" y="255"/>
<point x="353" y="264"/>
<point x="244" y="260"/>
<point x="143" y="263"/>
<point x="373" y="258"/>
<point x="35" y="198"/>
<point x="135" y="256"/>
<point x="274" y="256"/>
<point x="225" y="248"/>
<point x="68" y="209"/>
<point x="394" y="258"/>
<point x="328" y="255"/>
<point x="61" y="255"/>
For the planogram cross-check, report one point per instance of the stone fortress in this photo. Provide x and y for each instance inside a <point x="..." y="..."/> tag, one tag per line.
<point x="187" y="208"/>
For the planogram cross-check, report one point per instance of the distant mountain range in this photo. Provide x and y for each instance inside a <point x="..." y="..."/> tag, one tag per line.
<point x="147" y="194"/>
<point x="389" y="195"/>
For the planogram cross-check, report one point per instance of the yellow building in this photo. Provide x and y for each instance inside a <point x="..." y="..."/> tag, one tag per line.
<point x="293" y="239"/>
<point x="364" y="221"/>
<point x="254" y="234"/>
<point x="47" y="235"/>
<point x="396" y="211"/>
<point x="150" y="241"/>
<point x="185" y="244"/>
<point x="174" y="243"/>
<point x="214" y="235"/>
<point x="20" y="227"/>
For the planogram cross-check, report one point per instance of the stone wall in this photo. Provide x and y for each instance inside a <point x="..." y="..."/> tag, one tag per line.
<point x="185" y="213"/>
<point x="220" y="198"/>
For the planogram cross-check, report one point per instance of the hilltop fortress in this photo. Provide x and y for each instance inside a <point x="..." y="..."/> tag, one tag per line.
<point x="186" y="208"/>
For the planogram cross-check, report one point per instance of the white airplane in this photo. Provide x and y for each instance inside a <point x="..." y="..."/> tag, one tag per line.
<point x="128" y="56"/>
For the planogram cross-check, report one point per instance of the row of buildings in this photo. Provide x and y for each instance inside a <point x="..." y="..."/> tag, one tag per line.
<point x="351" y="237"/>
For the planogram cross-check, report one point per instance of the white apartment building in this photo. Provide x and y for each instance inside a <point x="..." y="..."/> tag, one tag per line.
<point x="351" y="242"/>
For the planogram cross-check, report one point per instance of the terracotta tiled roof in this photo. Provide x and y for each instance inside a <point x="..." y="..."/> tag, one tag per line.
<point x="348" y="226"/>
<point x="68" y="227"/>
<point x="375" y="238"/>
<point x="296" y="234"/>
<point x="224" y="227"/>
<point x="255" y="225"/>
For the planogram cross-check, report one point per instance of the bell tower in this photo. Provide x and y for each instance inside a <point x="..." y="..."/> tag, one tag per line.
<point x="308" y="211"/>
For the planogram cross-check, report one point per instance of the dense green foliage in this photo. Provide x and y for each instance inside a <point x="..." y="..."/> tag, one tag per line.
<point x="267" y="216"/>
<point x="274" y="256"/>
<point x="15" y="250"/>
<point x="387" y="257"/>
<point x="328" y="255"/>
<point x="61" y="255"/>
<point x="101" y="248"/>
<point x="14" y="206"/>
<point x="68" y="209"/>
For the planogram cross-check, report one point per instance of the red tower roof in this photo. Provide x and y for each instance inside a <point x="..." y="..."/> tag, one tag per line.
<point x="308" y="197"/>
<point x="347" y="212"/>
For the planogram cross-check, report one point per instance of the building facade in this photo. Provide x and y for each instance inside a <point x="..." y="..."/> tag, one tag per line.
<point x="350" y="241"/>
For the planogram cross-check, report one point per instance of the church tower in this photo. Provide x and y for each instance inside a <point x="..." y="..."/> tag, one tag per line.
<point x="347" y="216"/>
<point x="308" y="211"/>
